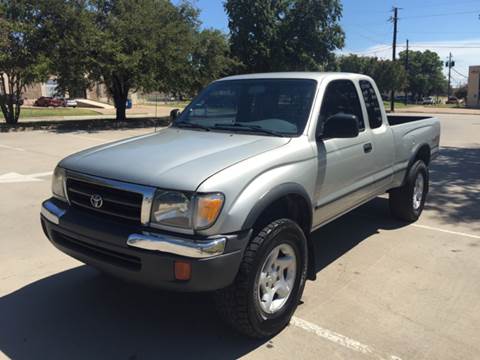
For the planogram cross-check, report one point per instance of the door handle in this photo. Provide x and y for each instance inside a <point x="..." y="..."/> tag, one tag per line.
<point x="367" y="148"/>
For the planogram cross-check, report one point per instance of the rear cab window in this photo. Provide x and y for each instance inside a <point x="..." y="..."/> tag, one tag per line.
<point x="372" y="104"/>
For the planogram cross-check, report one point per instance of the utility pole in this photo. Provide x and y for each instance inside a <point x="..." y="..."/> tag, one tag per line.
<point x="406" y="71"/>
<point x="450" y="64"/>
<point x="394" y="51"/>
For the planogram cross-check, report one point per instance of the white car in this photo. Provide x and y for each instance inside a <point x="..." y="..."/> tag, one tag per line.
<point x="428" y="101"/>
<point x="70" y="103"/>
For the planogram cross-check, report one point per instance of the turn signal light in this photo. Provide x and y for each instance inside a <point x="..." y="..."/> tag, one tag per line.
<point x="183" y="270"/>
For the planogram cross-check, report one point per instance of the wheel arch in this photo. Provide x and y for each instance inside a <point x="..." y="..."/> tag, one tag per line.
<point x="423" y="152"/>
<point x="289" y="200"/>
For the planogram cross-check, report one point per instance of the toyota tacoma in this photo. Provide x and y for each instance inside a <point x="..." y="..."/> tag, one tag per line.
<point x="226" y="197"/>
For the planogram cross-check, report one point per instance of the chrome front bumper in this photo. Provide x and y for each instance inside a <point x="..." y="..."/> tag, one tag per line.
<point x="178" y="246"/>
<point x="52" y="212"/>
<point x="209" y="247"/>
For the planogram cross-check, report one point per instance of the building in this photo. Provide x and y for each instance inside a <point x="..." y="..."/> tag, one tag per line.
<point x="473" y="94"/>
<point x="97" y="92"/>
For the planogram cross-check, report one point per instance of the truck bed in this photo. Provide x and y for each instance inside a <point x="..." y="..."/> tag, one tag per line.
<point x="402" y="119"/>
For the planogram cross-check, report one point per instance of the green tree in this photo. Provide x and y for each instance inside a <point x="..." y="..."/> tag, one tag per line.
<point x="22" y="60"/>
<point x="387" y="74"/>
<point x="285" y="34"/>
<point x="69" y="35"/>
<point x="310" y="34"/>
<point x="461" y="92"/>
<point x="127" y="45"/>
<point x="210" y="59"/>
<point x="424" y="75"/>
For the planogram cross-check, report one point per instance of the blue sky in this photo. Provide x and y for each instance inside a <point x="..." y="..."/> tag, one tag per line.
<point x="439" y="25"/>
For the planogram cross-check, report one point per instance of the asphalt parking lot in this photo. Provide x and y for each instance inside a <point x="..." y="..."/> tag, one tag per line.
<point x="384" y="289"/>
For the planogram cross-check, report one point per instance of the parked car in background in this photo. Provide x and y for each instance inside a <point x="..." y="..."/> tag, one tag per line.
<point x="453" y="100"/>
<point x="70" y="103"/>
<point x="428" y="101"/>
<point x="46" y="101"/>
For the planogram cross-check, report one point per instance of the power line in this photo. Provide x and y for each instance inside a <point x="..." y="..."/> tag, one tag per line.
<point x="374" y="41"/>
<point x="441" y="32"/>
<point x="436" y="3"/>
<point x="383" y="48"/>
<point x="471" y="12"/>
<point x="466" y="77"/>
<point x="431" y="46"/>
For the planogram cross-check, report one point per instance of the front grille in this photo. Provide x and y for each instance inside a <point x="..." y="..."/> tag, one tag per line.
<point x="116" y="203"/>
<point x="99" y="253"/>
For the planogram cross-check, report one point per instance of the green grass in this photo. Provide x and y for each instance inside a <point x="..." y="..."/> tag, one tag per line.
<point x="401" y="105"/>
<point x="451" y="106"/>
<point x="172" y="104"/>
<point x="398" y="105"/>
<point x="28" y="112"/>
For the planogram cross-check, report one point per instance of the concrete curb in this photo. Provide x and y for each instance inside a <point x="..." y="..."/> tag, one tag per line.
<point x="84" y="123"/>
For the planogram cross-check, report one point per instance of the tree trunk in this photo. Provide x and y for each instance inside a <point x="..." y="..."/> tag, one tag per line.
<point x="120" y="94"/>
<point x="10" y="102"/>
<point x="121" y="107"/>
<point x="11" y="116"/>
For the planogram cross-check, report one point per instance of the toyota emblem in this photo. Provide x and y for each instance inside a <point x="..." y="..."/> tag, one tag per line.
<point x="96" y="201"/>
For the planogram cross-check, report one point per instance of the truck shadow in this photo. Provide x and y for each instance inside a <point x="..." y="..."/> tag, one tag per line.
<point x="455" y="185"/>
<point x="80" y="314"/>
<point x="340" y="236"/>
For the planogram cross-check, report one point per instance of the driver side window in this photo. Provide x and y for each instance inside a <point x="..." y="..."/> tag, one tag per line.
<point x="341" y="96"/>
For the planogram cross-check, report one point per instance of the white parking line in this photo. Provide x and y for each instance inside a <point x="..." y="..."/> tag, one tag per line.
<point x="11" y="148"/>
<point x="446" y="231"/>
<point x="473" y="236"/>
<point x="94" y="138"/>
<point x="338" y="339"/>
<point x="14" y="177"/>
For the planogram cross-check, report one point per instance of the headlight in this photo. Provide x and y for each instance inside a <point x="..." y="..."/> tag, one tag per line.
<point x="58" y="181"/>
<point x="172" y="208"/>
<point x="178" y="209"/>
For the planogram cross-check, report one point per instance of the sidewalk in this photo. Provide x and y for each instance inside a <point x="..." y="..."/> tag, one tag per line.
<point x="438" y="110"/>
<point x="140" y="111"/>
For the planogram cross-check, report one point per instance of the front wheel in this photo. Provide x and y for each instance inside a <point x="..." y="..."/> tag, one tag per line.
<point x="270" y="281"/>
<point x="407" y="202"/>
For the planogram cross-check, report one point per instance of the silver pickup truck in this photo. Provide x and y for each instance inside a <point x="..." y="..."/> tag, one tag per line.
<point x="226" y="197"/>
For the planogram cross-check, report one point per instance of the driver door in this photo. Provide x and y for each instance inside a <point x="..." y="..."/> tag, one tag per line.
<point x="345" y="167"/>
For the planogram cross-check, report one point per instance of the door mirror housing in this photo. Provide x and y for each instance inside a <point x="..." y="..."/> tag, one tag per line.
<point x="340" y="126"/>
<point x="174" y="114"/>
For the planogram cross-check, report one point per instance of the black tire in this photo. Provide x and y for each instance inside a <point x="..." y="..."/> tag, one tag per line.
<point x="238" y="304"/>
<point x="401" y="199"/>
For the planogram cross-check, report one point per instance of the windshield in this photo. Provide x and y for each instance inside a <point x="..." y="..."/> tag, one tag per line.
<point x="265" y="106"/>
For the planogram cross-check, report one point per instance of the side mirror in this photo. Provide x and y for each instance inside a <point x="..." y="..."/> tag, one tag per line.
<point x="340" y="126"/>
<point x="174" y="114"/>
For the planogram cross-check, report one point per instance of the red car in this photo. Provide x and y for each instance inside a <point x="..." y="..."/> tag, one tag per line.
<point x="46" y="101"/>
<point x="453" y="100"/>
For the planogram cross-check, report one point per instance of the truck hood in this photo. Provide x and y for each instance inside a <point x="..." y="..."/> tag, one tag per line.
<point x="172" y="158"/>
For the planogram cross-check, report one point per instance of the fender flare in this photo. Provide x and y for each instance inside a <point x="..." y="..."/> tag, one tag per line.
<point x="414" y="157"/>
<point x="273" y="195"/>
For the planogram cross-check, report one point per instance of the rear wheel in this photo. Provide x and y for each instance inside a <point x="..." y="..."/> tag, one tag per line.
<point x="407" y="202"/>
<point x="270" y="281"/>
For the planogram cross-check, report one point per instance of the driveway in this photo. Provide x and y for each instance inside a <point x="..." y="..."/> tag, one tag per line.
<point x="384" y="289"/>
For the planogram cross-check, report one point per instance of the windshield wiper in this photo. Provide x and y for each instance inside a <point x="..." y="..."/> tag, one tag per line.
<point x="191" y="126"/>
<point x="253" y="128"/>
